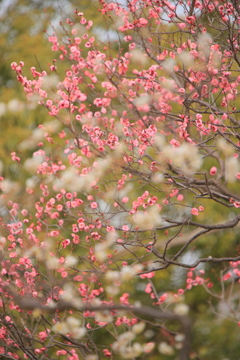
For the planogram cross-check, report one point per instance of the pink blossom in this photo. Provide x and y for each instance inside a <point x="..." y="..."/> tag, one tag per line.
<point x="128" y="38"/>
<point x="124" y="299"/>
<point x="65" y="243"/>
<point x="43" y="335"/>
<point x="162" y="298"/>
<point x="227" y="276"/>
<point x="61" y="352"/>
<point x="14" y="157"/>
<point x="119" y="133"/>
<point x="148" y="288"/>
<point x="181" y="90"/>
<point x="13" y="212"/>
<point x="213" y="170"/>
<point x="180" y="197"/>
<point x="64" y="274"/>
<point x="182" y="25"/>
<point x="194" y="211"/>
<point x="94" y="205"/>
<point x="142" y="22"/>
<point x="107" y="353"/>
<point x="147" y="275"/>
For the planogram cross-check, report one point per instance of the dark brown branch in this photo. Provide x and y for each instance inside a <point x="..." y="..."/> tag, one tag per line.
<point x="31" y="304"/>
<point x="226" y="225"/>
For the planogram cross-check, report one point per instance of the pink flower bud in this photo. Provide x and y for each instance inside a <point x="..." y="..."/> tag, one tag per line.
<point x="213" y="170"/>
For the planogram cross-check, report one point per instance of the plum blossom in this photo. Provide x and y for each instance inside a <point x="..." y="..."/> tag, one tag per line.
<point x="194" y="211"/>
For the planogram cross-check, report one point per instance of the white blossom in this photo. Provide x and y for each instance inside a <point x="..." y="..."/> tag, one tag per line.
<point x="232" y="167"/>
<point x="157" y="178"/>
<point x="100" y="252"/>
<point x="127" y="273"/>
<point x="70" y="261"/>
<point x="112" y="275"/>
<point x="226" y="148"/>
<point x="61" y="328"/>
<point x="179" y="337"/>
<point x="165" y="349"/>
<point x="159" y="141"/>
<point x="138" y="56"/>
<point x="186" y="157"/>
<point x="32" y="164"/>
<point x="71" y="326"/>
<point x="148" y="347"/>
<point x="15" y="105"/>
<point x="204" y="42"/>
<point x="144" y="99"/>
<point x="73" y="322"/>
<point x="8" y="186"/>
<point x="52" y="263"/>
<point x="31" y="182"/>
<point x="122" y="341"/>
<point x="186" y="58"/>
<point x="2" y="242"/>
<point x="138" y="327"/>
<point x="103" y="316"/>
<point x="112" y="290"/>
<point x="168" y="65"/>
<point x="69" y="295"/>
<point x="49" y="81"/>
<point x="168" y="84"/>
<point x="148" y="219"/>
<point x="91" y="357"/>
<point x="181" y="309"/>
<point x="79" y="332"/>
<point x="131" y="352"/>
